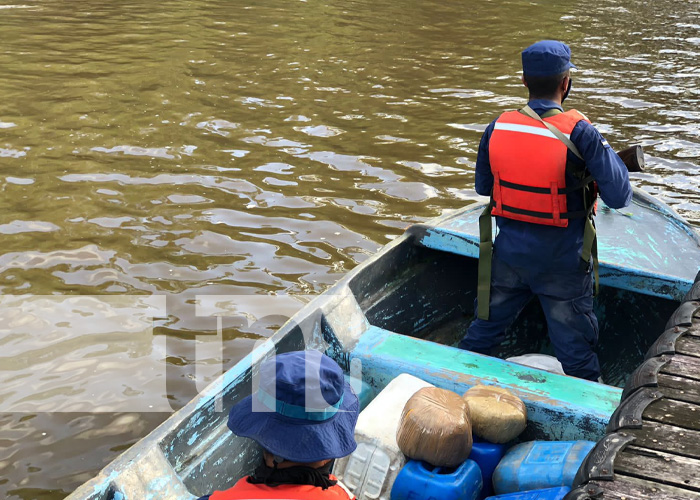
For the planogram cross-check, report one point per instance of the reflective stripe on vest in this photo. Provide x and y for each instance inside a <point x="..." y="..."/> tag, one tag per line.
<point x="526" y="129"/>
<point x="528" y="163"/>
<point x="243" y="490"/>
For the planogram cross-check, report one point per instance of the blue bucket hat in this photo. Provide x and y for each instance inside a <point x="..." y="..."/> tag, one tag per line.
<point x="303" y="411"/>
<point x="546" y="58"/>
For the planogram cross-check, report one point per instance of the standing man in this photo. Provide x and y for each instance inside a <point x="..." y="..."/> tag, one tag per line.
<point x="543" y="168"/>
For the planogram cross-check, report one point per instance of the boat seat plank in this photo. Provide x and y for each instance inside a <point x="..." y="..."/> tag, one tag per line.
<point x="560" y="406"/>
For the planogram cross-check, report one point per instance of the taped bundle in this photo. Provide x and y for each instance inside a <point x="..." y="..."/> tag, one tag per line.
<point x="497" y="415"/>
<point x="435" y="427"/>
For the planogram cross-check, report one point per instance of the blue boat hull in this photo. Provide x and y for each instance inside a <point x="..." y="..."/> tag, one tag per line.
<point x="382" y="320"/>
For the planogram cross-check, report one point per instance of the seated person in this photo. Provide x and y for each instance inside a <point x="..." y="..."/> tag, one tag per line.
<point x="303" y="415"/>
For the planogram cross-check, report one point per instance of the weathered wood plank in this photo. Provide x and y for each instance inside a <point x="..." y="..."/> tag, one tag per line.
<point x="680" y="388"/>
<point x="665" y="468"/>
<point x="688" y="346"/>
<point x="631" y="488"/>
<point x="670" y="412"/>
<point x="684" y="366"/>
<point x="667" y="438"/>
<point x="694" y="329"/>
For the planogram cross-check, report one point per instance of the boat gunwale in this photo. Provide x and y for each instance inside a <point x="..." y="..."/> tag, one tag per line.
<point x="321" y="305"/>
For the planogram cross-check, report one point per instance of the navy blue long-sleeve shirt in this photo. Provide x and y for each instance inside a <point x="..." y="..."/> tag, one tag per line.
<point x="548" y="248"/>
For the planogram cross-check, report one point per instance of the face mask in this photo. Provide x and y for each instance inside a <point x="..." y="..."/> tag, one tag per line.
<point x="568" y="89"/>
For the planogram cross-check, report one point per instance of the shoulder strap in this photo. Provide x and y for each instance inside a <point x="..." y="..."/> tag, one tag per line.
<point x="557" y="133"/>
<point x="483" y="294"/>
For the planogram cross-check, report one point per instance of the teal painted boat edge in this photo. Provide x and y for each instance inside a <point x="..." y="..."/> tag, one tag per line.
<point x="648" y="283"/>
<point x="641" y="196"/>
<point x="569" y="408"/>
<point x="629" y="250"/>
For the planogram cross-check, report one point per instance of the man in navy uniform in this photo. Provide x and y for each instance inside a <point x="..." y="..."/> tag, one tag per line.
<point x="543" y="168"/>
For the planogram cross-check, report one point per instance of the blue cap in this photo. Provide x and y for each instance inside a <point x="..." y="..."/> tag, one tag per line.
<point x="303" y="410"/>
<point x="546" y="58"/>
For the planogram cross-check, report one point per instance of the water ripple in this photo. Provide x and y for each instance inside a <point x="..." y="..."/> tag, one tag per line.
<point x="206" y="149"/>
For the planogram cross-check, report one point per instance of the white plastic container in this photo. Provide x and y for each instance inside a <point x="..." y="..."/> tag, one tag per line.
<point x="541" y="361"/>
<point x="372" y="468"/>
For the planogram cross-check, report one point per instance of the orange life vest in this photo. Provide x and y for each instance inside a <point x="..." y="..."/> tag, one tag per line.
<point x="243" y="490"/>
<point x="528" y="163"/>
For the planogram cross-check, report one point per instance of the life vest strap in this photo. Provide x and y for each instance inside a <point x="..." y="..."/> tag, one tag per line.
<point x="542" y="190"/>
<point x="527" y="110"/>
<point x="590" y="249"/>
<point x="582" y="184"/>
<point x="577" y="214"/>
<point x="483" y="291"/>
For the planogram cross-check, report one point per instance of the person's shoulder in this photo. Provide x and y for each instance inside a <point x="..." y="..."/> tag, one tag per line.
<point x="580" y="115"/>
<point x="489" y="128"/>
<point x="585" y="131"/>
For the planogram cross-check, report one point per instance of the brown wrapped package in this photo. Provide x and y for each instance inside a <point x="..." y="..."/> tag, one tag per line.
<point x="497" y="415"/>
<point x="435" y="427"/>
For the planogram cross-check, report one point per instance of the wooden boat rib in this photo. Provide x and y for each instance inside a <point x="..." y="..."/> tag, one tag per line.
<point x="399" y="312"/>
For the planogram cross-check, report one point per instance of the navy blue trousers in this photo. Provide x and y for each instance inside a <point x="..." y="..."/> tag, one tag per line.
<point x="567" y="300"/>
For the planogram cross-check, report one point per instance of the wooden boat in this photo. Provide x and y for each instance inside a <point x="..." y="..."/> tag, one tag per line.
<point x="400" y="312"/>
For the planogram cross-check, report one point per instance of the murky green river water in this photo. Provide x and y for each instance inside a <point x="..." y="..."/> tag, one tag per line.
<point x="188" y="148"/>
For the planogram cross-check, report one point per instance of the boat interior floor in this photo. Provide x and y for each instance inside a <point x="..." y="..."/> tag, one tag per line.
<point x="429" y="294"/>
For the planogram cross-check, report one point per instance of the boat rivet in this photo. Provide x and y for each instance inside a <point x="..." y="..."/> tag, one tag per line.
<point x="635" y="421"/>
<point x="605" y="471"/>
<point x="591" y="490"/>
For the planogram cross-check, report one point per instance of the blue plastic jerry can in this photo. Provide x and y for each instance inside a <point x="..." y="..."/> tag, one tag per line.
<point x="421" y="481"/>
<point x="540" y="464"/>
<point x="546" y="494"/>
<point x="487" y="456"/>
